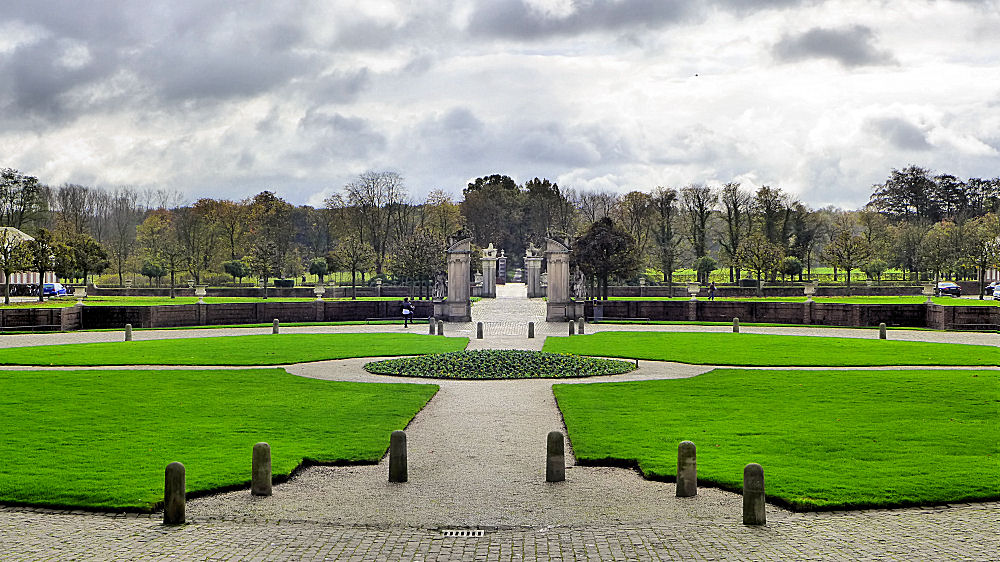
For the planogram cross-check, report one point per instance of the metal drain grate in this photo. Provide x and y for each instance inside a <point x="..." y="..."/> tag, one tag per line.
<point x="462" y="533"/>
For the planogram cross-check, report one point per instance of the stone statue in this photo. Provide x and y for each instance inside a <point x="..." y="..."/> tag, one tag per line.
<point x="440" y="286"/>
<point x="579" y="289"/>
<point x="532" y="251"/>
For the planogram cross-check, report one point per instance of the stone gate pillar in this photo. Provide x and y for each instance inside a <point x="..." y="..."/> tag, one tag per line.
<point x="458" y="307"/>
<point x="533" y="271"/>
<point x="489" y="272"/>
<point x="559" y="307"/>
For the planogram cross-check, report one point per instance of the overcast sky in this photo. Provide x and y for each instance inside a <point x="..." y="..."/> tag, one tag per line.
<point x="225" y="99"/>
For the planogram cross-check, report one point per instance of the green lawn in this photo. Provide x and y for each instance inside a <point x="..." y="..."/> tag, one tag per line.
<point x="64" y="302"/>
<point x="770" y="350"/>
<point x="101" y="439"/>
<point x="826" y="439"/>
<point x="945" y="301"/>
<point x="266" y="349"/>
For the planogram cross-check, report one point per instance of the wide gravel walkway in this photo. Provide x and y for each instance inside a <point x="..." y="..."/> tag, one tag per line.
<point x="476" y="462"/>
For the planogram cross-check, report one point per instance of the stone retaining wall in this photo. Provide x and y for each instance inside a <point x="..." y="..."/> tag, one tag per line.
<point x="811" y="313"/>
<point x="164" y="316"/>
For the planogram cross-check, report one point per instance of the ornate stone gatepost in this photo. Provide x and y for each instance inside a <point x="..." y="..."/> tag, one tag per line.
<point x="458" y="307"/>
<point x="533" y="265"/>
<point x="559" y="307"/>
<point x="501" y="277"/>
<point x="489" y="272"/>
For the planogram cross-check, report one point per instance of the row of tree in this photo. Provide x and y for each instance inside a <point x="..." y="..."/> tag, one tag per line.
<point x="916" y="221"/>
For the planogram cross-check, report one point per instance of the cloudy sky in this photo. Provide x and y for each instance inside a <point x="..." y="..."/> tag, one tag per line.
<point x="225" y="99"/>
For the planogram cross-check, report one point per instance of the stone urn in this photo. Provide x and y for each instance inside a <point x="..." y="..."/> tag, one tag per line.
<point x="928" y="291"/>
<point x="200" y="291"/>
<point x="693" y="290"/>
<point x="809" y="289"/>
<point x="319" y="290"/>
<point x="80" y="293"/>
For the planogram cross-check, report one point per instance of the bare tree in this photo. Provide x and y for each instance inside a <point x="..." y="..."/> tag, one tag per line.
<point x="736" y="204"/>
<point x="698" y="202"/>
<point x="665" y="232"/>
<point x="378" y="198"/>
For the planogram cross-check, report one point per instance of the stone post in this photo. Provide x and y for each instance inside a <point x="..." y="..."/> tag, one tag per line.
<point x="579" y="326"/>
<point x="533" y="273"/>
<point x="431" y="323"/>
<point x="558" y="303"/>
<point x="531" y="330"/>
<point x="693" y="310"/>
<point x="489" y="263"/>
<point x="397" y="457"/>
<point x="260" y="470"/>
<point x="555" y="458"/>
<point x="572" y="327"/>
<point x="753" y="495"/>
<point x="807" y="311"/>
<point x="458" y="307"/>
<point x="881" y="331"/>
<point x="687" y="470"/>
<point x="479" y="330"/>
<point x="128" y="332"/>
<point x="501" y="269"/>
<point x="173" y="494"/>
<point x="274" y="326"/>
<point x="440" y="327"/>
<point x="736" y="325"/>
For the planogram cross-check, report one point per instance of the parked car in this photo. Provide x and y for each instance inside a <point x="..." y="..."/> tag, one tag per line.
<point x="995" y="292"/>
<point x="949" y="288"/>
<point x="53" y="290"/>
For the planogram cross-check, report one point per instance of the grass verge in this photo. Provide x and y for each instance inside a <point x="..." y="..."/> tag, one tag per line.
<point x="826" y="439"/>
<point x="265" y="349"/>
<point x="101" y="439"/>
<point x="945" y="301"/>
<point x="765" y="350"/>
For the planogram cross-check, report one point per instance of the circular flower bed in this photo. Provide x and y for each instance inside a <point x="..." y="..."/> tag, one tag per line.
<point x="498" y="364"/>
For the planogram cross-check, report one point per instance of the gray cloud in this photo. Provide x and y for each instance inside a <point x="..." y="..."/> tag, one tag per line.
<point x="516" y="19"/>
<point x="850" y="46"/>
<point x="334" y="135"/>
<point x="900" y="132"/>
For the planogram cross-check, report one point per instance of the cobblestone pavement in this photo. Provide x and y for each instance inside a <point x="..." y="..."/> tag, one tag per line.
<point x="476" y="461"/>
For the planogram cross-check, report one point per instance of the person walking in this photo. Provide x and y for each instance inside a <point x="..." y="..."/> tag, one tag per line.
<point x="407" y="312"/>
<point x="711" y="291"/>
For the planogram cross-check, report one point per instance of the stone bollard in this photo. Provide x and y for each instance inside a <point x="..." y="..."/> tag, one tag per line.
<point x="274" y="326"/>
<point x="128" y="332"/>
<point x="397" y="456"/>
<point x="260" y="471"/>
<point x="555" y="458"/>
<point x="479" y="330"/>
<point x="736" y="325"/>
<point x="531" y="330"/>
<point x="753" y="495"/>
<point x="572" y="327"/>
<point x="430" y="325"/>
<point x="440" y="327"/>
<point x="579" y="326"/>
<point x="173" y="494"/>
<point x="687" y="470"/>
<point x="881" y="331"/>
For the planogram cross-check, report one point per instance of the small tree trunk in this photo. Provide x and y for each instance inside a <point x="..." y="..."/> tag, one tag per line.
<point x="171" y="282"/>
<point x="354" y="284"/>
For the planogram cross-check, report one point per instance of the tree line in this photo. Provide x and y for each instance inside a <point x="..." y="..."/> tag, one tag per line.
<point x="916" y="221"/>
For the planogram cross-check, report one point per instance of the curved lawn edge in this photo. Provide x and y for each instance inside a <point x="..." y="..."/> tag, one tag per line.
<point x="632" y="464"/>
<point x="771" y="350"/>
<point x="231" y="351"/>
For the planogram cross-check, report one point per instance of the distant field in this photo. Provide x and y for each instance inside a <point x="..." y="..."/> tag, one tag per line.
<point x="759" y="350"/>
<point x="265" y="349"/>
<point x="946" y="301"/>
<point x="62" y="302"/>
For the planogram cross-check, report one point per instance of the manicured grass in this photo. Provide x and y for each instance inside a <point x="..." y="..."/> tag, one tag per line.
<point x="771" y="350"/>
<point x="826" y="439"/>
<point x="945" y="301"/>
<point x="64" y="302"/>
<point x="498" y="364"/>
<point x="102" y="439"/>
<point x="266" y="349"/>
<point x="751" y="324"/>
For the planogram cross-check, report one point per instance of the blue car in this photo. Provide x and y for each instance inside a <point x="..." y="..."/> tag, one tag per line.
<point x="53" y="290"/>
